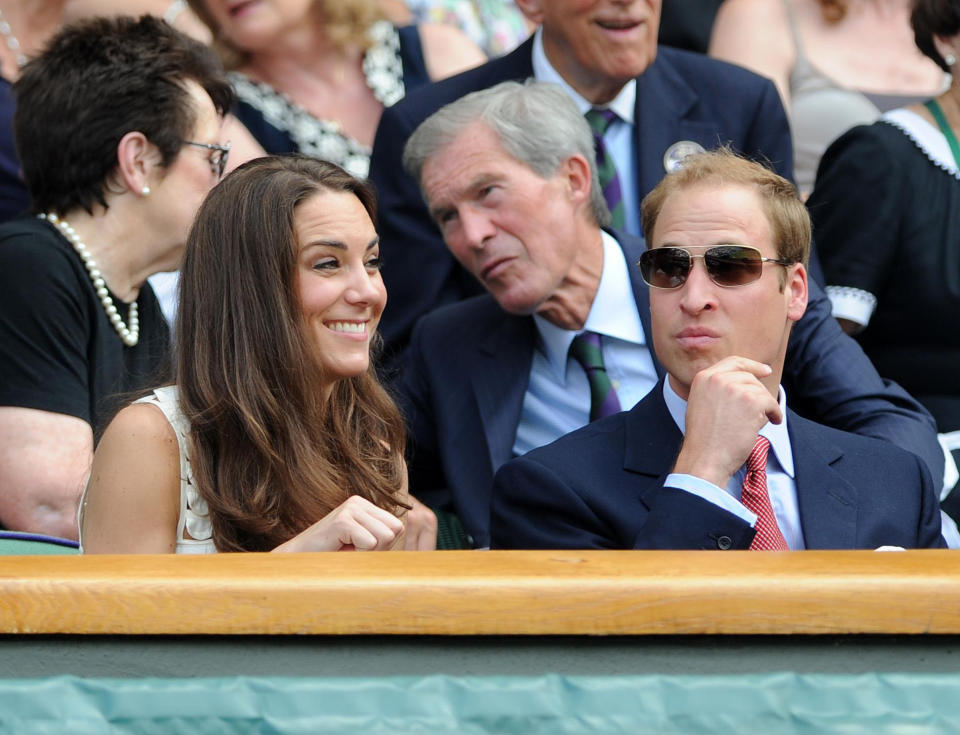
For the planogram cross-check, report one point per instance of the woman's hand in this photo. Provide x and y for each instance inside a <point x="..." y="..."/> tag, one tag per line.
<point x="420" y="533"/>
<point x="355" y="524"/>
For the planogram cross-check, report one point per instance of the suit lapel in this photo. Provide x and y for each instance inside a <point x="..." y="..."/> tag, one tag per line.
<point x="664" y="101"/>
<point x="652" y="438"/>
<point x="500" y="377"/>
<point x="828" y="503"/>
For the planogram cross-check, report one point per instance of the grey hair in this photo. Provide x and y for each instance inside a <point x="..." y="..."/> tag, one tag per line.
<point x="537" y="124"/>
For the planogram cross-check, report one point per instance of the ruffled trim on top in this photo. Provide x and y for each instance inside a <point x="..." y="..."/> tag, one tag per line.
<point x="926" y="137"/>
<point x="852" y="304"/>
<point x="196" y="516"/>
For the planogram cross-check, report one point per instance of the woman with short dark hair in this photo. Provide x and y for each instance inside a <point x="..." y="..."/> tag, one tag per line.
<point x="277" y="435"/>
<point x="118" y="132"/>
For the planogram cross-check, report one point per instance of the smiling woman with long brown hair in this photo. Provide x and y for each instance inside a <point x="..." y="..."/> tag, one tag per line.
<point x="277" y="435"/>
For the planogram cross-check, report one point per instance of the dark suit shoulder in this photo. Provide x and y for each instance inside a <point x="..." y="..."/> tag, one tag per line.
<point x="836" y="442"/>
<point x="422" y="102"/>
<point x="463" y="321"/>
<point x="702" y="69"/>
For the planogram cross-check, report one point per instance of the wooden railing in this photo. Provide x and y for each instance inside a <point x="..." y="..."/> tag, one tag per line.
<point x="485" y="593"/>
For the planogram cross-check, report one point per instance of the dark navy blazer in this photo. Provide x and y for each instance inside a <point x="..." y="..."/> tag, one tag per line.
<point x="602" y="487"/>
<point x="468" y="365"/>
<point x="681" y="96"/>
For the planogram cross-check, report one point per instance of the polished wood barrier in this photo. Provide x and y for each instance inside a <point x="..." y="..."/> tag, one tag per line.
<point x="485" y="593"/>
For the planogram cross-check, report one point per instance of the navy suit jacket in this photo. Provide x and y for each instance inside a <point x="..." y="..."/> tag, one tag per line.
<point x="681" y="96"/>
<point x="468" y="366"/>
<point x="602" y="487"/>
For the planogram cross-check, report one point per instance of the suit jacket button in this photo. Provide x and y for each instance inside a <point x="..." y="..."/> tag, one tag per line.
<point x="724" y="543"/>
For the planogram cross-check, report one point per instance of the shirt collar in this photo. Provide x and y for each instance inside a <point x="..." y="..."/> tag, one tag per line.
<point x="624" y="104"/>
<point x="776" y="434"/>
<point x="607" y="313"/>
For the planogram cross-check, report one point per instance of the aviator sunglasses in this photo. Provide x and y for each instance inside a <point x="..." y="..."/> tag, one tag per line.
<point x="727" y="265"/>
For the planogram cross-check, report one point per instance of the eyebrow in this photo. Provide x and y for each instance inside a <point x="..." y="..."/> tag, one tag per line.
<point x="477" y="182"/>
<point x="719" y="243"/>
<point x="338" y="244"/>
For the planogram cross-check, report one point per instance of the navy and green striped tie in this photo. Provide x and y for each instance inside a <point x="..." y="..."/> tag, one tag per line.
<point x="586" y="350"/>
<point x="600" y="120"/>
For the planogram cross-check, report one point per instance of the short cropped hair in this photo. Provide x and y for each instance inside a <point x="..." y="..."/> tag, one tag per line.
<point x="787" y="215"/>
<point x="537" y="124"/>
<point x="932" y="18"/>
<point x="98" y="80"/>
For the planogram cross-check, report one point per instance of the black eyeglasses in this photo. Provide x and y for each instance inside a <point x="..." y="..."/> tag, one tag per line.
<point x="218" y="155"/>
<point x="727" y="265"/>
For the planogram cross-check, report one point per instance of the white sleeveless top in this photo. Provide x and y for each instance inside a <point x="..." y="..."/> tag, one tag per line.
<point x="193" y="509"/>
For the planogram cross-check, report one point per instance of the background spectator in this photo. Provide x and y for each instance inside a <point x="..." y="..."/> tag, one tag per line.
<point x="836" y="63"/>
<point x="24" y="28"/>
<point x="886" y="212"/>
<point x="117" y="174"/>
<point x="313" y="76"/>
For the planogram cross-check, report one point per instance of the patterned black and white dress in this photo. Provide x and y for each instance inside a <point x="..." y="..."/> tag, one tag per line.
<point x="392" y="65"/>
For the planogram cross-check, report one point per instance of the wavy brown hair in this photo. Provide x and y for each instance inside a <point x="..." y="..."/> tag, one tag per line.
<point x="345" y="22"/>
<point x="271" y="452"/>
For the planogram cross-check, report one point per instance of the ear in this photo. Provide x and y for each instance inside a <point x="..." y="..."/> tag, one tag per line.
<point x="137" y="158"/>
<point x="796" y="291"/>
<point x="947" y="46"/>
<point x="576" y="171"/>
<point x="532" y="9"/>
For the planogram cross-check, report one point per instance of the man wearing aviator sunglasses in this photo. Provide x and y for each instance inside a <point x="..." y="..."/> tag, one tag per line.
<point x="712" y="458"/>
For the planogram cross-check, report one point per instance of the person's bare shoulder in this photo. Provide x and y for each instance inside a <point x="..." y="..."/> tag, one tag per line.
<point x="447" y="50"/>
<point x="132" y="502"/>
<point x="756" y="34"/>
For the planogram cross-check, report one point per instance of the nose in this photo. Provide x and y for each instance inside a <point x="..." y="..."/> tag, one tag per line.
<point x="364" y="287"/>
<point x="476" y="227"/>
<point x="698" y="293"/>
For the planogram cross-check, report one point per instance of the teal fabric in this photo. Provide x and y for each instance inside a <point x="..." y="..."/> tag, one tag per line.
<point x="549" y="705"/>
<point x="29" y="547"/>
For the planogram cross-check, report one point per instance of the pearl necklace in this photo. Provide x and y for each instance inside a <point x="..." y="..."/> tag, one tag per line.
<point x="130" y="335"/>
<point x="13" y="43"/>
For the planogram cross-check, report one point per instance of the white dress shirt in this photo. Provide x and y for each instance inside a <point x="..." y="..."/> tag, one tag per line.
<point x="557" y="399"/>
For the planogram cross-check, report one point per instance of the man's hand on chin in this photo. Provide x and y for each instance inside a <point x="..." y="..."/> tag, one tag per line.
<point x="727" y="406"/>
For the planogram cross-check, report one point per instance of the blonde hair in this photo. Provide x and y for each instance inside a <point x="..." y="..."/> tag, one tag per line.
<point x="345" y="22"/>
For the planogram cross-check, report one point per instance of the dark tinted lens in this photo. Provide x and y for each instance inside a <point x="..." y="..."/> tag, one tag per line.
<point x="665" y="267"/>
<point x="733" y="265"/>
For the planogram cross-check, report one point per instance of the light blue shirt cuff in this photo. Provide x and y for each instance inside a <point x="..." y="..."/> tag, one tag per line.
<point x="712" y="494"/>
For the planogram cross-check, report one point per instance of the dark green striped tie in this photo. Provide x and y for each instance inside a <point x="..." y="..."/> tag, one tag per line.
<point x="600" y="120"/>
<point x="586" y="350"/>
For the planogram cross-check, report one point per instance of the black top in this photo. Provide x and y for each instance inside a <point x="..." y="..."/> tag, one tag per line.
<point x="887" y="221"/>
<point x="58" y="350"/>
